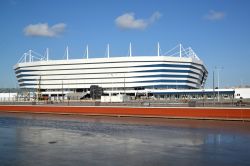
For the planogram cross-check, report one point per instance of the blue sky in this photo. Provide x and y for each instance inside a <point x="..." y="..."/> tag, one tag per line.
<point x="217" y="30"/>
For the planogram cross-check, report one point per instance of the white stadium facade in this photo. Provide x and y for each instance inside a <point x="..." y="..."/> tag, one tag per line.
<point x="182" y="69"/>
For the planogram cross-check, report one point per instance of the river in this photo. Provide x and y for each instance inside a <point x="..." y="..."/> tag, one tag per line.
<point x="49" y="140"/>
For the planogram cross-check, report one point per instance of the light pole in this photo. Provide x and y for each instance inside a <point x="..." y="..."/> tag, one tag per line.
<point x="213" y="90"/>
<point x="218" y="74"/>
<point x="218" y="79"/>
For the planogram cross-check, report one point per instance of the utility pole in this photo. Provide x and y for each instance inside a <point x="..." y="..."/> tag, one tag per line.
<point x="218" y="74"/>
<point x="218" y="81"/>
<point x="213" y="89"/>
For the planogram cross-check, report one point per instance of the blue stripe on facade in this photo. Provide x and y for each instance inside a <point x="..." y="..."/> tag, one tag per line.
<point x="159" y="86"/>
<point x="151" y="81"/>
<point x="174" y="81"/>
<point x="155" y="70"/>
<point x="169" y="87"/>
<point x="26" y="75"/>
<point x="168" y="70"/>
<point x="147" y="76"/>
<point x="170" y="65"/>
<point x="154" y="65"/>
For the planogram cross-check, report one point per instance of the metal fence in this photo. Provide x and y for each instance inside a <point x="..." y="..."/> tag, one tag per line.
<point x="133" y="103"/>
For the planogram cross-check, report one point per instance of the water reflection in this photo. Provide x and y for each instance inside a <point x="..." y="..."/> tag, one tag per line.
<point x="62" y="141"/>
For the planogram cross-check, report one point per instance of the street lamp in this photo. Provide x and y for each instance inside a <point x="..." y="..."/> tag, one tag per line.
<point x="218" y="79"/>
<point x="213" y="89"/>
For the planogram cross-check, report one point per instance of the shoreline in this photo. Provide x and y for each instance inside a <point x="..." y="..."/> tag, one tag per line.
<point x="236" y="126"/>
<point x="201" y="113"/>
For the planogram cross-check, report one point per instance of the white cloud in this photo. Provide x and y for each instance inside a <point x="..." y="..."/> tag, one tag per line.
<point x="215" y="15"/>
<point x="155" y="16"/>
<point x="43" y="29"/>
<point x="128" y="21"/>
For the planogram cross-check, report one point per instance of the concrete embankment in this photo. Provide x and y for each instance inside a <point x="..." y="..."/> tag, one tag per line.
<point x="162" y="112"/>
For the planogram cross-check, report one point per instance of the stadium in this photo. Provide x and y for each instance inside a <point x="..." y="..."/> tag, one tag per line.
<point x="178" y="68"/>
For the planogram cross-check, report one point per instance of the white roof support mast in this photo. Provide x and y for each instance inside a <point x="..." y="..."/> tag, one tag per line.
<point x="108" y="50"/>
<point x="67" y="53"/>
<point x="180" y="51"/>
<point x="25" y="57"/>
<point x="87" y="51"/>
<point x="30" y="55"/>
<point x="130" y="50"/>
<point x="158" y="49"/>
<point x="47" y="54"/>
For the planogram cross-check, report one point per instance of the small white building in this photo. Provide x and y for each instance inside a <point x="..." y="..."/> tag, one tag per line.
<point x="117" y="98"/>
<point x="243" y="93"/>
<point x="7" y="96"/>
